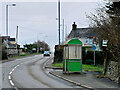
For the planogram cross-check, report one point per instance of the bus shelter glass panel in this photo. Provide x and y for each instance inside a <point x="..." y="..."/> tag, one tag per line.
<point x="74" y="52"/>
<point x="66" y="52"/>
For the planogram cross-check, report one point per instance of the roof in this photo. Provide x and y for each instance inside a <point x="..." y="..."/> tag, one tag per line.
<point x="4" y="37"/>
<point x="11" y="39"/>
<point x="82" y="32"/>
<point x="73" y="42"/>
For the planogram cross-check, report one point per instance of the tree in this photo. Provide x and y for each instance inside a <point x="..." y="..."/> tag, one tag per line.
<point x="2" y="50"/>
<point x="4" y="53"/>
<point x="37" y="45"/>
<point x="42" y="44"/>
<point x="107" y="24"/>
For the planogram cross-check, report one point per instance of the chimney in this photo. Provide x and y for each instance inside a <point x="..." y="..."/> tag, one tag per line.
<point x="74" y="26"/>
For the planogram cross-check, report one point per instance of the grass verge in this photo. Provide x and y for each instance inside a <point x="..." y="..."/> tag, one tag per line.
<point x="18" y="56"/>
<point x="85" y="67"/>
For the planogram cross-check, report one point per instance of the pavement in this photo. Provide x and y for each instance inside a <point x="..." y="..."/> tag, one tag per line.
<point x="84" y="79"/>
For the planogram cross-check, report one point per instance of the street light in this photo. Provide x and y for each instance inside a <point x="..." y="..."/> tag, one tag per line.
<point x="7" y="24"/>
<point x="62" y="30"/>
<point x="63" y="33"/>
<point x="59" y="20"/>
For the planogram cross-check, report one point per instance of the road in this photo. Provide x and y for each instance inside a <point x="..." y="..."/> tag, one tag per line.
<point x="29" y="72"/>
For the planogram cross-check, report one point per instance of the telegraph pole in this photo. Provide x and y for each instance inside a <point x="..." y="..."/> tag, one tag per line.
<point x="7" y="28"/>
<point x="7" y="25"/>
<point x="59" y="21"/>
<point x="16" y="37"/>
<point x="63" y="33"/>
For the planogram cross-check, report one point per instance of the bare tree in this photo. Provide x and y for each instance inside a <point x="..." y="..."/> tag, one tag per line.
<point x="42" y="44"/>
<point x="107" y="24"/>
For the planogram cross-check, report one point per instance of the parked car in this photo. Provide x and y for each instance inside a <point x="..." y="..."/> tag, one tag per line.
<point x="46" y="53"/>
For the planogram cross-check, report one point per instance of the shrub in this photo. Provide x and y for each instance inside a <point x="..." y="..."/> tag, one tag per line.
<point x="88" y="57"/>
<point x="58" y="55"/>
<point x="4" y="54"/>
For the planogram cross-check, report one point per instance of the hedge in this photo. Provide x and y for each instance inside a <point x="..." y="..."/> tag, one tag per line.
<point x="58" y="55"/>
<point x="4" y="54"/>
<point x="87" y="57"/>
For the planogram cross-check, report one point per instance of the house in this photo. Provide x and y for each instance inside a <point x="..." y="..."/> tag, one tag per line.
<point x="86" y="35"/>
<point x="11" y="42"/>
<point x="12" y="45"/>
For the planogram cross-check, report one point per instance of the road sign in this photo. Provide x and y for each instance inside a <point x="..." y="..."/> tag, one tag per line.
<point x="93" y="47"/>
<point x="104" y="44"/>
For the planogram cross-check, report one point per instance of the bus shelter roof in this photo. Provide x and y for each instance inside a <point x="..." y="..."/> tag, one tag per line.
<point x="73" y="42"/>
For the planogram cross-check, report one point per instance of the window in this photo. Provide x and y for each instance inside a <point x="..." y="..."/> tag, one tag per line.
<point x="91" y="41"/>
<point x="86" y="40"/>
<point x="74" y="52"/>
<point x="66" y="52"/>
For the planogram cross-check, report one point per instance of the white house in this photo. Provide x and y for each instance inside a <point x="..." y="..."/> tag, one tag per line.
<point x="86" y="35"/>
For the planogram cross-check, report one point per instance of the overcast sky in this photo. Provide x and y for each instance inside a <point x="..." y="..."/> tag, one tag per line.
<point x="38" y="19"/>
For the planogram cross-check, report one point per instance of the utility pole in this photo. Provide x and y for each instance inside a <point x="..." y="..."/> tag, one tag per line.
<point x="7" y="25"/>
<point x="16" y="38"/>
<point x="59" y="21"/>
<point x="63" y="33"/>
<point x="7" y="28"/>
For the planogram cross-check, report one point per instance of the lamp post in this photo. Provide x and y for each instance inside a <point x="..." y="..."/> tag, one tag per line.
<point x="62" y="29"/>
<point x="59" y="20"/>
<point x="63" y="33"/>
<point x="17" y="50"/>
<point x="7" y="24"/>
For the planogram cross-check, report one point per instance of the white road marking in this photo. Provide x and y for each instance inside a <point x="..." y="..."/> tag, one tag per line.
<point x="16" y="88"/>
<point x="13" y="69"/>
<point x="9" y="77"/>
<point x="18" y="65"/>
<point x="10" y="73"/>
<point x="11" y="82"/>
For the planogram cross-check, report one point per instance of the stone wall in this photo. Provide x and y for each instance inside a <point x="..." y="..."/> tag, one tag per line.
<point x="14" y="51"/>
<point x="113" y="71"/>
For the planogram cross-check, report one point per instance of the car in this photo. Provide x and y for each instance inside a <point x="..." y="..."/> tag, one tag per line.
<point x="46" y="53"/>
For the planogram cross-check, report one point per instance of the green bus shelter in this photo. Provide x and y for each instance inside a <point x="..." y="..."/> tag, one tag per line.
<point x="72" y="56"/>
